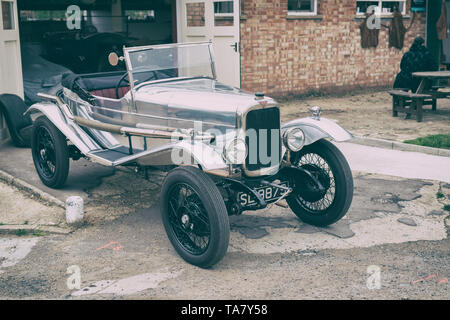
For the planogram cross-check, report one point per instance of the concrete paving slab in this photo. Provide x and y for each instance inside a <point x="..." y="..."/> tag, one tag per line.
<point x="380" y="205"/>
<point x="128" y="286"/>
<point x="12" y="250"/>
<point x="341" y="229"/>
<point x="394" y="145"/>
<point x="404" y="164"/>
<point x="18" y="208"/>
<point x="437" y="213"/>
<point x="407" y="221"/>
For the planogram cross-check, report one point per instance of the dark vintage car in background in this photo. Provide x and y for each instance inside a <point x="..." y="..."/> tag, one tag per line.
<point x="85" y="50"/>
<point x="39" y="74"/>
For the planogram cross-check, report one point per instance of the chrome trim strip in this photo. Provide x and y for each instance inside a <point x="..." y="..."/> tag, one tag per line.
<point x="161" y="118"/>
<point x="162" y="46"/>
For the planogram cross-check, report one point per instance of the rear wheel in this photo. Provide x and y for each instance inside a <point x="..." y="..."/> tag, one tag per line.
<point x="329" y="166"/>
<point x="13" y="122"/>
<point x="50" y="153"/>
<point x="195" y="216"/>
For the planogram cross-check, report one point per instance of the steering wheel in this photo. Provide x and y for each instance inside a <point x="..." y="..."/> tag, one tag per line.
<point x="125" y="79"/>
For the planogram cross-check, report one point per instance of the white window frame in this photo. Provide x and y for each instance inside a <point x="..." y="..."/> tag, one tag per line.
<point x="14" y="16"/>
<point x="223" y="15"/>
<point x="304" y="13"/>
<point x="380" y="5"/>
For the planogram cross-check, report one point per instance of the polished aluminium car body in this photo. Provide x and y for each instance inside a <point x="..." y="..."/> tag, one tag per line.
<point x="222" y="107"/>
<point x="176" y="114"/>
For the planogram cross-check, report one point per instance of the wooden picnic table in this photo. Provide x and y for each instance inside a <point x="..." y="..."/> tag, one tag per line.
<point x="426" y="85"/>
<point x="426" y="94"/>
<point x="428" y="77"/>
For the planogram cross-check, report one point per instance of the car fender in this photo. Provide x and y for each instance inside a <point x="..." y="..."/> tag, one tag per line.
<point x="316" y="129"/>
<point x="70" y="129"/>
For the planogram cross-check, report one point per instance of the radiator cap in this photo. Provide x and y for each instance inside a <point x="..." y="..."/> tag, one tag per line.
<point x="259" y="95"/>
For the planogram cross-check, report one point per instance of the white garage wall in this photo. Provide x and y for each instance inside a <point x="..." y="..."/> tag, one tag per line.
<point x="10" y="59"/>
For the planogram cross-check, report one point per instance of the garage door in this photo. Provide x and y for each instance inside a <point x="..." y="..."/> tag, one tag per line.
<point x="216" y="21"/>
<point x="10" y="60"/>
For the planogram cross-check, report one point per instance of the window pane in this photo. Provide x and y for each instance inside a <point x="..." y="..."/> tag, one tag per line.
<point x="362" y="6"/>
<point x="42" y="15"/>
<point x="387" y="7"/>
<point x="140" y="15"/>
<point x="223" y="14"/>
<point x="390" y="7"/>
<point x="301" y="5"/>
<point x="8" y="15"/>
<point x="223" y="7"/>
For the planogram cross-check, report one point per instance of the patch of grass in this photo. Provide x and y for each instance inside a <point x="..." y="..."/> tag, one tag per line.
<point x="2" y="224"/>
<point x="441" y="141"/>
<point x="21" y="232"/>
<point x="447" y="207"/>
<point x="39" y="233"/>
<point x="439" y="195"/>
<point x="26" y="222"/>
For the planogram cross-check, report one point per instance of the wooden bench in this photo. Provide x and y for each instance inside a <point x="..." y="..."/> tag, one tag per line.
<point x="402" y="99"/>
<point x="436" y="94"/>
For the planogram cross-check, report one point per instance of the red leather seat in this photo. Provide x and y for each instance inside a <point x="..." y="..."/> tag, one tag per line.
<point x="110" y="92"/>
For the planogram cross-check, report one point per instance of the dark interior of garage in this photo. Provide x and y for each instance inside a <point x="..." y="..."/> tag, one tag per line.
<point x="59" y="36"/>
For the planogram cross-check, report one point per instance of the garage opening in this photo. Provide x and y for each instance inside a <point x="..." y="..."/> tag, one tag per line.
<point x="76" y="36"/>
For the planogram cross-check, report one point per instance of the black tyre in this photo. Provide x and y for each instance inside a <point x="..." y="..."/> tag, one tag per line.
<point x="12" y="108"/>
<point x="50" y="153"/>
<point x="195" y="216"/>
<point x="330" y="167"/>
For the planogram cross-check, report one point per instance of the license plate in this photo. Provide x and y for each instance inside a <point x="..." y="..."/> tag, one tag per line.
<point x="268" y="193"/>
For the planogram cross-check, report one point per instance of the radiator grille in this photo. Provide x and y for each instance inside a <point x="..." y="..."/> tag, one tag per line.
<point x="265" y="123"/>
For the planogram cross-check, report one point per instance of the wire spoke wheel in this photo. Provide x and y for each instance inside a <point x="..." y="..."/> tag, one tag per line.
<point x="317" y="202"/>
<point x="195" y="216"/>
<point x="189" y="219"/>
<point x="321" y="206"/>
<point x="45" y="152"/>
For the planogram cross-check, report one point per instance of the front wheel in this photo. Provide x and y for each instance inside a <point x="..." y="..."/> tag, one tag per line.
<point x="329" y="166"/>
<point x="195" y="216"/>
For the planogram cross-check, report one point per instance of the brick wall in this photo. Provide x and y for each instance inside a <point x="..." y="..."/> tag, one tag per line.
<point x="281" y="56"/>
<point x="195" y="14"/>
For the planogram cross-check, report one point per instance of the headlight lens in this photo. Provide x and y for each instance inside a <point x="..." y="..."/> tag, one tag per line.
<point x="235" y="152"/>
<point x="294" y="139"/>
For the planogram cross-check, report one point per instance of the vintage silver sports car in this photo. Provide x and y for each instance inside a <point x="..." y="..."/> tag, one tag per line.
<point x="225" y="150"/>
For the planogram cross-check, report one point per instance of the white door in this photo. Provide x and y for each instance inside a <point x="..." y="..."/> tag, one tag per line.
<point x="216" y="21"/>
<point x="10" y="57"/>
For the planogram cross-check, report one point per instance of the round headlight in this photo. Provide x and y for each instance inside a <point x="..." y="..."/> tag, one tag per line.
<point x="235" y="152"/>
<point x="294" y="139"/>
